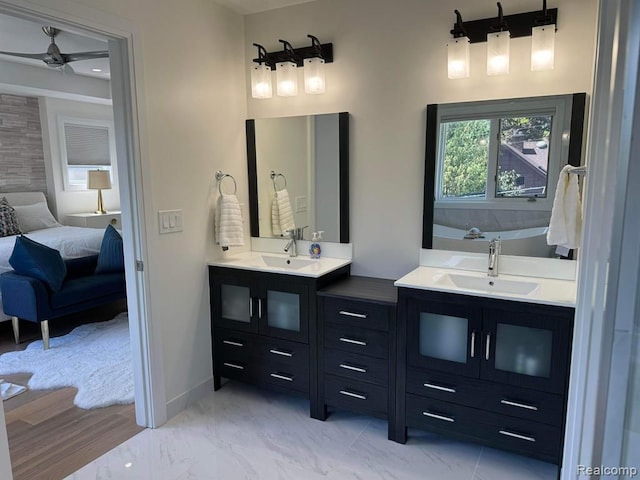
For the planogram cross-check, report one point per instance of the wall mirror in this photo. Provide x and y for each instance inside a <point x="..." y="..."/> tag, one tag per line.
<point x="491" y="169"/>
<point x="299" y="175"/>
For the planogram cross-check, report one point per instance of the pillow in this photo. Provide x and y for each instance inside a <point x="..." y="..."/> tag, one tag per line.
<point x="8" y="221"/>
<point x="33" y="259"/>
<point x="35" y="217"/>
<point x="111" y="256"/>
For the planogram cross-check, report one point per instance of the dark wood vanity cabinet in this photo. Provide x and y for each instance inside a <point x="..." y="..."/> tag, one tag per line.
<point x="488" y="370"/>
<point x="264" y="329"/>
<point x="357" y="347"/>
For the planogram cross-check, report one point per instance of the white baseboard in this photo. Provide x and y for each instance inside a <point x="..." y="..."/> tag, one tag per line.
<point x="188" y="398"/>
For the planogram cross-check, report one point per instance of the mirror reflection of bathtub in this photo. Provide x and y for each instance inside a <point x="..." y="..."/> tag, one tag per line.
<point x="527" y="241"/>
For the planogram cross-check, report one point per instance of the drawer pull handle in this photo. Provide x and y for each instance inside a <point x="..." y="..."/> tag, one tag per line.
<point x="517" y="435"/>
<point x="259" y="308"/>
<point x="280" y="352"/>
<point x="351" y="314"/>
<point x="351" y="367"/>
<point x="231" y="342"/>
<point x="438" y="417"/>
<point x="233" y="365"/>
<point x="519" y="405"/>
<point x="473" y="344"/>
<point x="488" y="347"/>
<point x="282" y="377"/>
<point x="354" y="395"/>
<point x="250" y="307"/>
<point x="355" y="342"/>
<point x="439" y="387"/>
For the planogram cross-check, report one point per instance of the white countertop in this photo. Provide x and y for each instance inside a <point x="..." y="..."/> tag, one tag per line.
<point x="549" y="291"/>
<point x="256" y="261"/>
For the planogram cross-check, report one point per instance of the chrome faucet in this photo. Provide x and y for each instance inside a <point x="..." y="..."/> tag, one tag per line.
<point x="494" y="257"/>
<point x="294" y="234"/>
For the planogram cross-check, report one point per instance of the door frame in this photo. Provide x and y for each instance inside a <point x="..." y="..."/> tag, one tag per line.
<point x="128" y="102"/>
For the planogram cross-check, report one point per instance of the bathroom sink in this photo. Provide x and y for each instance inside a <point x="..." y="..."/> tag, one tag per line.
<point x="286" y="262"/>
<point x="489" y="284"/>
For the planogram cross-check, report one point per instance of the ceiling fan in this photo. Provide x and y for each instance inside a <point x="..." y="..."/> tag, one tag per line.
<point x="56" y="59"/>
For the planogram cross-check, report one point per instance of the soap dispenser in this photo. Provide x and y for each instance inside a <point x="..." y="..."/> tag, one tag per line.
<point x="314" y="249"/>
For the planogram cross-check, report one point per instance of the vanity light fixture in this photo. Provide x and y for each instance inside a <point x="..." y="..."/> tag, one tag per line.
<point x="286" y="63"/>
<point x="543" y="40"/>
<point x="540" y="25"/>
<point x="458" y="51"/>
<point x="498" y="47"/>
<point x="261" y="75"/>
<point x="287" y="73"/>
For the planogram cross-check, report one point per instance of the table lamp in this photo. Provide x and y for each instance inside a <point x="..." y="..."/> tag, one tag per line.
<point x="99" y="180"/>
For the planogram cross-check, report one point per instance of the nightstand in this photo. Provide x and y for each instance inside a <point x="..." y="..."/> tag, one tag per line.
<point x="94" y="220"/>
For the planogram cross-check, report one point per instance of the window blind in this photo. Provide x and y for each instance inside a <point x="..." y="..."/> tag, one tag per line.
<point x="87" y="145"/>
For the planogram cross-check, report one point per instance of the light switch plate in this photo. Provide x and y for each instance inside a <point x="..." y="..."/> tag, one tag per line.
<point x="170" y="221"/>
<point x="301" y="204"/>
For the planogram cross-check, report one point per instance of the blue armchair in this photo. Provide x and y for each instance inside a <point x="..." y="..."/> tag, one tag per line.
<point x="29" y="298"/>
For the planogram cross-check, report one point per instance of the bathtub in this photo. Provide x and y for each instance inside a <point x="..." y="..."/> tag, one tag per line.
<point x="531" y="242"/>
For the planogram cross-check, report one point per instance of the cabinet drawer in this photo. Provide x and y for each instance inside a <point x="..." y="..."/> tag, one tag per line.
<point x="501" y="431"/>
<point x="356" y="313"/>
<point x="355" y="395"/>
<point x="294" y="377"/>
<point x="514" y="401"/>
<point x="357" y="367"/>
<point x="284" y="352"/>
<point x="236" y="369"/>
<point x="352" y="339"/>
<point x="239" y="346"/>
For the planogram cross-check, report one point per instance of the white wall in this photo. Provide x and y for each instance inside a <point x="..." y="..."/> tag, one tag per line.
<point x="66" y="201"/>
<point x="389" y="63"/>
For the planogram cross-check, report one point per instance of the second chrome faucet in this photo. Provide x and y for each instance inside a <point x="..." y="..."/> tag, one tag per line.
<point x="494" y="257"/>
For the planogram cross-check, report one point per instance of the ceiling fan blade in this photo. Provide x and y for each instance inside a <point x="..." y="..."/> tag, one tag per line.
<point x="35" y="56"/>
<point x="73" y="57"/>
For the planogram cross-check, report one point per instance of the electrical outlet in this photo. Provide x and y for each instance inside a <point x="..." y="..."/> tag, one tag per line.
<point x="170" y="221"/>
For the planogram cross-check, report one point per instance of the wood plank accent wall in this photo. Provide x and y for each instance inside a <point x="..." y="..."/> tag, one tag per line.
<point x="21" y="152"/>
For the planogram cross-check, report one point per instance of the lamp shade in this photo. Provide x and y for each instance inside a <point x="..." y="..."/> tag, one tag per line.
<point x="458" y="58"/>
<point x="498" y="53"/>
<point x="314" y="82"/>
<point x="98" y="180"/>
<point x="261" y="81"/>
<point x="543" y="39"/>
<point x="287" y="79"/>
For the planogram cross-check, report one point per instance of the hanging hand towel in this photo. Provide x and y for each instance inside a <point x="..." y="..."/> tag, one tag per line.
<point x="281" y="213"/>
<point x="228" y="228"/>
<point x="566" y="214"/>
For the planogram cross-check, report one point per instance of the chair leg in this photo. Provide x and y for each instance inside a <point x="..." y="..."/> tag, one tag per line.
<point x="16" y="329"/>
<point x="44" y="326"/>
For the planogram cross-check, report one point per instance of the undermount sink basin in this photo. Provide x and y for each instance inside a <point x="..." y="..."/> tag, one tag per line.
<point x="489" y="284"/>
<point x="293" y="263"/>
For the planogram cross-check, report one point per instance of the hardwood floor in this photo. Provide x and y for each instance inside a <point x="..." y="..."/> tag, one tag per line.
<point x="50" y="438"/>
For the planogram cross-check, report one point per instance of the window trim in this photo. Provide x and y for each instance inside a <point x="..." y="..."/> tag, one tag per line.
<point x="64" y="165"/>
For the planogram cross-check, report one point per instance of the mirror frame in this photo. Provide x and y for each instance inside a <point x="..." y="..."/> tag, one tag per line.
<point x="576" y="132"/>
<point x="343" y="169"/>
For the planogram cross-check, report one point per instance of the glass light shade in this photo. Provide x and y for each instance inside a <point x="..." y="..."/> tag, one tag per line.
<point x="287" y="79"/>
<point x="543" y="41"/>
<point x="498" y="53"/>
<point x="314" y="75"/>
<point x="261" y="81"/>
<point x="458" y="58"/>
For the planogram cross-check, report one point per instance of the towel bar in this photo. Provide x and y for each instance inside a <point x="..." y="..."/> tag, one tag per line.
<point x="220" y="176"/>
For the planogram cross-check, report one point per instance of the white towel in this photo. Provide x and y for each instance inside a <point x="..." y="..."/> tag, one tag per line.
<point x="566" y="214"/>
<point x="9" y="390"/>
<point x="281" y="213"/>
<point x="228" y="227"/>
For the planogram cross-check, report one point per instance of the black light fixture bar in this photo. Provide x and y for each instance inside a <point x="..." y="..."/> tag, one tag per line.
<point x="296" y="55"/>
<point x="520" y="24"/>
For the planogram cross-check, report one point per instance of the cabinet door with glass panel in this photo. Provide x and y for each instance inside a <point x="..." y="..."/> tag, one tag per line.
<point x="283" y="308"/>
<point x="526" y="347"/>
<point x="232" y="301"/>
<point x="444" y="336"/>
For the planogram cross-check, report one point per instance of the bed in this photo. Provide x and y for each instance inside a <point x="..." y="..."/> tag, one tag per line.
<point x="72" y="242"/>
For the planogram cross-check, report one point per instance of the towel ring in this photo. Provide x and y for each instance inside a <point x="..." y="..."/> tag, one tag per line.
<point x="220" y="176"/>
<point x="274" y="176"/>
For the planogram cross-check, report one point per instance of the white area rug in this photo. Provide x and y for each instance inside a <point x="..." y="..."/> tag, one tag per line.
<point x="95" y="358"/>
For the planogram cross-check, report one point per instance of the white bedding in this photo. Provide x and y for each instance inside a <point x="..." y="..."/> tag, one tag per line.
<point x="72" y="242"/>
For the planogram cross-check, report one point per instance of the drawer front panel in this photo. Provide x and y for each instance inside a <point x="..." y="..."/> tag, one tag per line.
<point x="239" y="346"/>
<point x="352" y="339"/>
<point x="355" y="395"/>
<point x="291" y="354"/>
<point x="501" y="431"/>
<point x="517" y="402"/>
<point x="236" y="369"/>
<point x="357" y="367"/>
<point x="284" y="376"/>
<point x="356" y="313"/>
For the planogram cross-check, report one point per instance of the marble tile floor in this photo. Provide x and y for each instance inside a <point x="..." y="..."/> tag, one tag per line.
<point x="242" y="432"/>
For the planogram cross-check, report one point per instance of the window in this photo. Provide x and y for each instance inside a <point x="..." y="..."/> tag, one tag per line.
<point x="504" y="153"/>
<point x="85" y="145"/>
